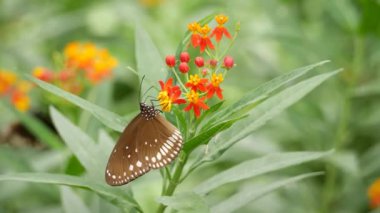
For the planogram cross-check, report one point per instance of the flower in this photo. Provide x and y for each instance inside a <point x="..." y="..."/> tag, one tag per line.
<point x="15" y="89"/>
<point x="196" y="83"/>
<point x="205" y="40"/>
<point x="374" y="194"/>
<point x="97" y="63"/>
<point x="213" y="63"/>
<point x="228" y="62"/>
<point x="170" y="60"/>
<point x="196" y="103"/>
<point x="199" y="62"/>
<point x="184" y="57"/>
<point x="220" y="30"/>
<point x="20" y="100"/>
<point x="184" y="67"/>
<point x="43" y="74"/>
<point x="7" y="79"/>
<point x="169" y="95"/>
<point x="213" y="87"/>
<point x="195" y="37"/>
<point x="204" y="71"/>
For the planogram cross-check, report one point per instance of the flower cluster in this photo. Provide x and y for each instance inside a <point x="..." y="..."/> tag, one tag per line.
<point x="374" y="194"/>
<point x="84" y="62"/>
<point x="204" y="73"/>
<point x="15" y="89"/>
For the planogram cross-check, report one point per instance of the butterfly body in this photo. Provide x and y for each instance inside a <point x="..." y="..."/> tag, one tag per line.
<point x="148" y="142"/>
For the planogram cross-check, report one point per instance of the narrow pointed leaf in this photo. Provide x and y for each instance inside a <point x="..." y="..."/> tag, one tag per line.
<point x="186" y="202"/>
<point x="249" y="195"/>
<point x="108" y="118"/>
<point x="259" y="166"/>
<point x="114" y="195"/>
<point x="264" y="112"/>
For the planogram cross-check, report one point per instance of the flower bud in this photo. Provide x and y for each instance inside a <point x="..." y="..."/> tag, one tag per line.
<point x="184" y="57"/>
<point x="213" y="63"/>
<point x="204" y="71"/>
<point x="199" y="61"/>
<point x="228" y="62"/>
<point x="170" y="60"/>
<point x="184" y="67"/>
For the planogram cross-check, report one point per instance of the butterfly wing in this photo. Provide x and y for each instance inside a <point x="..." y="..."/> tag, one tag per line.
<point x="144" y="144"/>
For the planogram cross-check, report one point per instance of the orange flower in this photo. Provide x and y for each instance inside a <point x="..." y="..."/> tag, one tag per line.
<point x="20" y="100"/>
<point x="196" y="103"/>
<point x="214" y="87"/>
<point x="169" y="95"/>
<point x="7" y="79"/>
<point x="195" y="37"/>
<point x="374" y="194"/>
<point x="195" y="83"/>
<point x="43" y="74"/>
<point x="220" y="30"/>
<point x="205" y="40"/>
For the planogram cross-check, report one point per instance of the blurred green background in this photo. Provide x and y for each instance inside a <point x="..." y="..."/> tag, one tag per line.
<point x="276" y="36"/>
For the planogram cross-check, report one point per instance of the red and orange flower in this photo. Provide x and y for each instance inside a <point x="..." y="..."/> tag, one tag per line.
<point x="208" y="64"/>
<point x="169" y="95"/>
<point x="374" y="194"/>
<point x="195" y="102"/>
<point x="220" y="30"/>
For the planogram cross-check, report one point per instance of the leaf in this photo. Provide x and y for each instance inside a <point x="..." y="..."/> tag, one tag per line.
<point x="264" y="112"/>
<point x="185" y="202"/>
<point x="205" y="136"/>
<point x="79" y="143"/>
<point x="256" y="167"/>
<point x="114" y="195"/>
<point x="149" y="61"/>
<point x="71" y="202"/>
<point x="38" y="128"/>
<point x="264" y="91"/>
<point x="108" y="118"/>
<point x="249" y="195"/>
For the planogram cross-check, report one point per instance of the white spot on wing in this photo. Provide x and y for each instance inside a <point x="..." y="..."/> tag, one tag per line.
<point x="131" y="167"/>
<point x="138" y="164"/>
<point x="159" y="156"/>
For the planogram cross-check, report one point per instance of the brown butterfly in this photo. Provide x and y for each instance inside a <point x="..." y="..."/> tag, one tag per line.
<point x="148" y="142"/>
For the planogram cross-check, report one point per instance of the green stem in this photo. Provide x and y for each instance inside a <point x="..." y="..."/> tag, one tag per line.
<point x="179" y="80"/>
<point x="174" y="181"/>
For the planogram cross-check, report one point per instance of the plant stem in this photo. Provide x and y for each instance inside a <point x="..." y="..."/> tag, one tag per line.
<point x="174" y="181"/>
<point x="179" y="80"/>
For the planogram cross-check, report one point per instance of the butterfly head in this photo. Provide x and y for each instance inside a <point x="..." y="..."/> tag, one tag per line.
<point x="148" y="112"/>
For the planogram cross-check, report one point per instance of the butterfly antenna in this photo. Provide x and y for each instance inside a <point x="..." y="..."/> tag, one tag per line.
<point x="142" y="80"/>
<point x="151" y="87"/>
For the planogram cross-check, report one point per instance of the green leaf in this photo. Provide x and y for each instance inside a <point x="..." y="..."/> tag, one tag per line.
<point x="205" y="136"/>
<point x="83" y="147"/>
<point x="251" y="194"/>
<point x="149" y="61"/>
<point x="263" y="91"/>
<point x="108" y="118"/>
<point x="264" y="112"/>
<point x="185" y="202"/>
<point x="71" y="202"/>
<point x="114" y="195"/>
<point x="256" y="167"/>
<point x="38" y="128"/>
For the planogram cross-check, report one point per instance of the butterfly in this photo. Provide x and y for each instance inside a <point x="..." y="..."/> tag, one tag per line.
<point x="148" y="142"/>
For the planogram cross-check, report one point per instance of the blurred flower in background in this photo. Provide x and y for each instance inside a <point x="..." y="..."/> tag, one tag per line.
<point x="15" y="90"/>
<point x="374" y="194"/>
<point x="84" y="64"/>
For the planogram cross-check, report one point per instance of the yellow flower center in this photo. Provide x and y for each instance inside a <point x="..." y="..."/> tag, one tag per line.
<point x="221" y="19"/>
<point x="165" y="101"/>
<point x="194" y="27"/>
<point x="194" y="80"/>
<point x="216" y="79"/>
<point x="204" y="30"/>
<point x="192" y="96"/>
